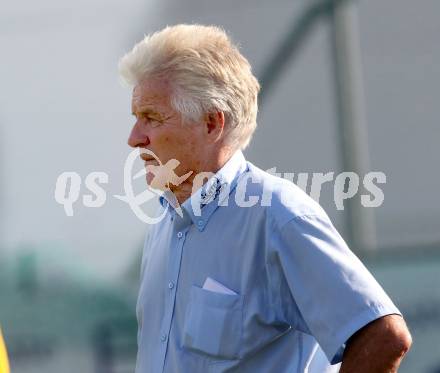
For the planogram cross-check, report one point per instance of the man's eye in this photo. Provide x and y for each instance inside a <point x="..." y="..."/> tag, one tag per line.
<point x="154" y="123"/>
<point x="151" y="121"/>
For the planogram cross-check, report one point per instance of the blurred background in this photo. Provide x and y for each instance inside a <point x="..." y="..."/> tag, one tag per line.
<point x="347" y="86"/>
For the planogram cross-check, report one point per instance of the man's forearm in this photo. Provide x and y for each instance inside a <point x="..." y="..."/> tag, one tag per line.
<point x="379" y="347"/>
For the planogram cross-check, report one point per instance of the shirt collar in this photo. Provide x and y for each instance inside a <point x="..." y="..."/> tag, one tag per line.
<point x="202" y="204"/>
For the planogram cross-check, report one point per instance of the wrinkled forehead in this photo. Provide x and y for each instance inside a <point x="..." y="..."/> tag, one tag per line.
<point x="150" y="93"/>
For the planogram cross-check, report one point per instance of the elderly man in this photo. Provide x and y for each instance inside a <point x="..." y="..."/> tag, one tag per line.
<point x="251" y="276"/>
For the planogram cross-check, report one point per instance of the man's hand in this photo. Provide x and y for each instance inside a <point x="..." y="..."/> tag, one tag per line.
<point x="378" y="347"/>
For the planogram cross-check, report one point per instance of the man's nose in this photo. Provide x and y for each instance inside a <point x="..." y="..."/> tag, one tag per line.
<point x="137" y="138"/>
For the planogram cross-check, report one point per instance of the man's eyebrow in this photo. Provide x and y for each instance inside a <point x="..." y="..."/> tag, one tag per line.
<point x="144" y="110"/>
<point x="155" y="115"/>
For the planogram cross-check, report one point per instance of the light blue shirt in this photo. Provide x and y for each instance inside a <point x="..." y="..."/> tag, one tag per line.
<point x="300" y="293"/>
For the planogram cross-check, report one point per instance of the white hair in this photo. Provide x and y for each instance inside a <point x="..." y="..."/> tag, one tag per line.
<point x="206" y="72"/>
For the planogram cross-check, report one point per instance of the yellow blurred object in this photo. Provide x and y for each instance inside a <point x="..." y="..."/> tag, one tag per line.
<point x="4" y="365"/>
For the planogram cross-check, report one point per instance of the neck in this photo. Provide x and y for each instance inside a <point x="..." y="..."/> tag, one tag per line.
<point x="198" y="178"/>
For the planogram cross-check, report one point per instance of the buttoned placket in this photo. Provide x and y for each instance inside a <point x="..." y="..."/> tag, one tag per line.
<point x="180" y="229"/>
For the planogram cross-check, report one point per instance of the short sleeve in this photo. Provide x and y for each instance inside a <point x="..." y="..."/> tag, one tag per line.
<point x="334" y="292"/>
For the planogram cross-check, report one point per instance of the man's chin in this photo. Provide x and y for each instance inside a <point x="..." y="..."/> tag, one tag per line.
<point x="154" y="184"/>
<point x="149" y="179"/>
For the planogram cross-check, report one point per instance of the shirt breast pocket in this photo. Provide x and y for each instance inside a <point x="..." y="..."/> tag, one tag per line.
<point x="213" y="323"/>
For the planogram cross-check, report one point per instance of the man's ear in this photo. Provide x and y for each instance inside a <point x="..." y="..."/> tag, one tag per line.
<point x="215" y="124"/>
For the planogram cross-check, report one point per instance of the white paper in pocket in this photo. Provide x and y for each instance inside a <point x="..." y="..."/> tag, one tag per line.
<point x="215" y="286"/>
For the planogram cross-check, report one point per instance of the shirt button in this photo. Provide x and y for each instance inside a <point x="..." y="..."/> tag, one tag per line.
<point x="163" y="338"/>
<point x="171" y="285"/>
<point x="200" y="223"/>
<point x="180" y="235"/>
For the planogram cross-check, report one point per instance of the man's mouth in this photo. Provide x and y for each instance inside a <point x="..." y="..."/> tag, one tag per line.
<point x="147" y="158"/>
